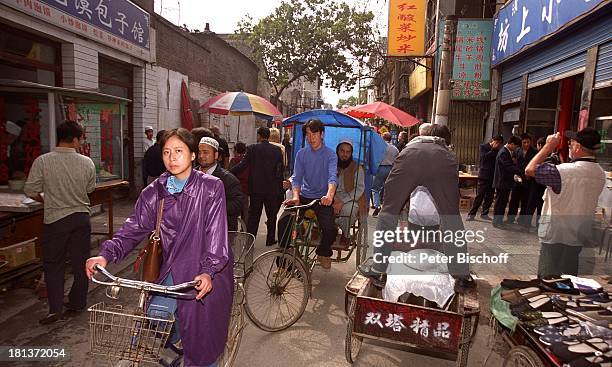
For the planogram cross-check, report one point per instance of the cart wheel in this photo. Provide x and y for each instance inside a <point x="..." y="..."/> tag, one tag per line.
<point x="276" y="291"/>
<point x="522" y="356"/>
<point x="234" y="333"/>
<point x="352" y="344"/>
<point x="362" y="241"/>
<point x="465" y="342"/>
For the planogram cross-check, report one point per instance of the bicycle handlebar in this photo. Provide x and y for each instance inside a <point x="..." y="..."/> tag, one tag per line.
<point x="140" y="285"/>
<point x="298" y="207"/>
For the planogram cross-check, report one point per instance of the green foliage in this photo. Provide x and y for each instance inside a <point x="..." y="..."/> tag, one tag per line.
<point x="311" y="39"/>
<point x="350" y="101"/>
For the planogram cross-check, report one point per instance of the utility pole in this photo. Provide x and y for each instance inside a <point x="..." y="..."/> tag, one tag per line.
<point x="435" y="64"/>
<point x="446" y="69"/>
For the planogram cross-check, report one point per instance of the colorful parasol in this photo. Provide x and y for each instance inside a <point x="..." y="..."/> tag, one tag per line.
<point x="241" y="103"/>
<point x="383" y="110"/>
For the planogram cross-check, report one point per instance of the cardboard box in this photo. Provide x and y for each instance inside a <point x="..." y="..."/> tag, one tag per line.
<point x="465" y="203"/>
<point x="17" y="251"/>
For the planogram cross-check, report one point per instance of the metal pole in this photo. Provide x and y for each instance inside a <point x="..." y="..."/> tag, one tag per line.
<point x="436" y="70"/>
<point x="446" y="63"/>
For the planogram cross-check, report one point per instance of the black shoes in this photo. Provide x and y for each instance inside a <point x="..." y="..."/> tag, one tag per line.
<point x="51" y="318"/>
<point x="376" y="211"/>
<point x="470" y="218"/>
<point x="485" y="217"/>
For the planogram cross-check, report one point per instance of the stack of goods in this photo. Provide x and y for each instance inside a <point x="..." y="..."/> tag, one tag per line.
<point x="570" y="316"/>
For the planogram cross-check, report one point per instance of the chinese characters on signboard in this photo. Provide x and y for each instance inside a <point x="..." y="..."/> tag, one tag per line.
<point x="406" y="36"/>
<point x="434" y="330"/>
<point x="524" y="22"/>
<point x="471" y="64"/>
<point x="118" y="23"/>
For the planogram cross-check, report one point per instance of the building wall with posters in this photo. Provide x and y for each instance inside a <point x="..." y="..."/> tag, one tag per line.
<point x="104" y="51"/>
<point x="555" y="69"/>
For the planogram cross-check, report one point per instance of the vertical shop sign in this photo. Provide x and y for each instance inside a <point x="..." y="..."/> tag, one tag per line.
<point x="406" y="34"/>
<point x="31" y="134"/>
<point x="472" y="60"/>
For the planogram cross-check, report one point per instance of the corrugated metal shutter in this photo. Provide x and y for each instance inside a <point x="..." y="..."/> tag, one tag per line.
<point x="511" y="91"/>
<point x="467" y="125"/>
<point x="571" y="43"/>
<point x="563" y="69"/>
<point x="603" y="72"/>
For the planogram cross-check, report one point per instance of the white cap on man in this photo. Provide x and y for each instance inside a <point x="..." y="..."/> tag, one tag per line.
<point x="210" y="141"/>
<point x="148" y="127"/>
<point x="12" y="128"/>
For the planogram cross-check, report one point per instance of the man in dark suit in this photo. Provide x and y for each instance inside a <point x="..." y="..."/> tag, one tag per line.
<point x="208" y="155"/>
<point x="488" y="155"/>
<point x="520" y="191"/>
<point x="265" y="163"/>
<point x="503" y="179"/>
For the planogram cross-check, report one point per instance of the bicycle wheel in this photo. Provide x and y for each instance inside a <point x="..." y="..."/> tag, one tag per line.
<point x="352" y="344"/>
<point x="276" y="291"/>
<point x="362" y="241"/>
<point x="234" y="333"/>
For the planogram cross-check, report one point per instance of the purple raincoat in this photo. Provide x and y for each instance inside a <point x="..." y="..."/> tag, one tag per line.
<point x="194" y="240"/>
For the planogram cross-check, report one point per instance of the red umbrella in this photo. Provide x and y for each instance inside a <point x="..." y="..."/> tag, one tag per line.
<point x="385" y="111"/>
<point x="186" y="115"/>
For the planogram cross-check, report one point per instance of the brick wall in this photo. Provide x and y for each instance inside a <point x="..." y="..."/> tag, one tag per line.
<point x="204" y="58"/>
<point x="79" y="66"/>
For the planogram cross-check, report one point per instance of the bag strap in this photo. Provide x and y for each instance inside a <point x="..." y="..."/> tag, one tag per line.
<point x="160" y="212"/>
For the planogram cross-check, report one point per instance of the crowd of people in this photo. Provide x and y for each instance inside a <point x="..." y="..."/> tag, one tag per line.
<point x="199" y="193"/>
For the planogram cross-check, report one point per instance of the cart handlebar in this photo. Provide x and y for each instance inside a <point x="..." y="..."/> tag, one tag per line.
<point x="140" y="285"/>
<point x="298" y="207"/>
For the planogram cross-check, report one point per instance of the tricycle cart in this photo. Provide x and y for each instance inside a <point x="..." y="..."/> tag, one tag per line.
<point x="446" y="333"/>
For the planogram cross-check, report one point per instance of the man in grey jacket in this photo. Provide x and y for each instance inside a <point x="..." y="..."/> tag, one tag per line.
<point x="437" y="167"/>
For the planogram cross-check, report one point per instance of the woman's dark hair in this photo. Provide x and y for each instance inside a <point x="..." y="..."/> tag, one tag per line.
<point x="200" y="132"/>
<point x="240" y="147"/>
<point x="541" y="141"/>
<point x="68" y="130"/>
<point x="498" y="138"/>
<point x="440" y="131"/>
<point x="184" y="135"/>
<point x="314" y="125"/>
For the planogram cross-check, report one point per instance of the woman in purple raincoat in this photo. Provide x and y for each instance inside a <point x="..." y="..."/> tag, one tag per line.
<point x="195" y="246"/>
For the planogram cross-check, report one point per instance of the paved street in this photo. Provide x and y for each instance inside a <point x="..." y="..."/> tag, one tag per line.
<point x="317" y="339"/>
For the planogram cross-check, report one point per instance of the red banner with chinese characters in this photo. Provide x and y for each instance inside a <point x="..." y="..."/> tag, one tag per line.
<point x="430" y="329"/>
<point x="406" y="35"/>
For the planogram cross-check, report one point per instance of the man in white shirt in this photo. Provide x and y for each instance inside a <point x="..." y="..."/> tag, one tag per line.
<point x="65" y="177"/>
<point x="148" y="141"/>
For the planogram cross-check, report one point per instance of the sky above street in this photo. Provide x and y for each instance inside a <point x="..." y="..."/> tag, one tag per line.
<point x="223" y="17"/>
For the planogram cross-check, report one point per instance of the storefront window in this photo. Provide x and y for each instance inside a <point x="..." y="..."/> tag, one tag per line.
<point x="27" y="57"/>
<point x="24" y="133"/>
<point x="542" y="111"/>
<point x="104" y="141"/>
<point x="601" y="119"/>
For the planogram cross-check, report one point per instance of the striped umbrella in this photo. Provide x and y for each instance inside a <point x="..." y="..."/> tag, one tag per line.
<point x="240" y="103"/>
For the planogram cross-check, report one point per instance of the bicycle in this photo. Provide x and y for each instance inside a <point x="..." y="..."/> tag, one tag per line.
<point x="133" y="335"/>
<point x="138" y="350"/>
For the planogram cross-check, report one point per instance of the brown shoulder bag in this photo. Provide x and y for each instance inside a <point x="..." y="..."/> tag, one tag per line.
<point x="151" y="256"/>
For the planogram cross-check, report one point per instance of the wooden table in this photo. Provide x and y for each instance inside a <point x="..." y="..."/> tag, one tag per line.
<point x="464" y="177"/>
<point x="103" y="194"/>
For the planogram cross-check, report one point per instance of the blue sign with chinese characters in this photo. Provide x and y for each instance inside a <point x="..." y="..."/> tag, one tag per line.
<point x="120" y="17"/>
<point x="524" y="22"/>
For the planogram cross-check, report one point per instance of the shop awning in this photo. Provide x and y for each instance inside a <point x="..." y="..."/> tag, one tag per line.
<point x="25" y="86"/>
